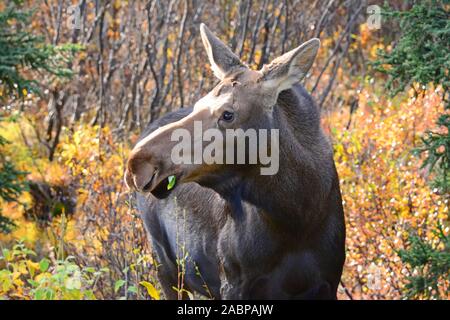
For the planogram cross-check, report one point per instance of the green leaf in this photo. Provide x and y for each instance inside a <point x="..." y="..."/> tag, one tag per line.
<point x="39" y="294"/>
<point x="133" y="289"/>
<point x="119" y="284"/>
<point x="44" y="264"/>
<point x="32" y="282"/>
<point x="6" y="255"/>
<point x="90" y="269"/>
<point x="172" y="181"/>
<point x="50" y="294"/>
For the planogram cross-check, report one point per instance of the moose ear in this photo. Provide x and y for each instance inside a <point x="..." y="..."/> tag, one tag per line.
<point x="222" y="59"/>
<point x="291" y="67"/>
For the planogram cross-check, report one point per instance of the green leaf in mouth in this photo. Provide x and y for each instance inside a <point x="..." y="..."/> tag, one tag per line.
<point x="172" y="181"/>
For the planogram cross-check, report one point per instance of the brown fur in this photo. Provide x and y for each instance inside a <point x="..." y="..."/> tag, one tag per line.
<point x="250" y="236"/>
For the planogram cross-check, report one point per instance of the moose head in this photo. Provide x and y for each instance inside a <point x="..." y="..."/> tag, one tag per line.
<point x="243" y="99"/>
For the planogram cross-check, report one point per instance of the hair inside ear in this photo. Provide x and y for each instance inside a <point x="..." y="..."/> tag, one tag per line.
<point x="291" y="67"/>
<point x="222" y="59"/>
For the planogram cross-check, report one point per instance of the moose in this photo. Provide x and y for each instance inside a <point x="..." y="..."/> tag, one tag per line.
<point x="245" y="235"/>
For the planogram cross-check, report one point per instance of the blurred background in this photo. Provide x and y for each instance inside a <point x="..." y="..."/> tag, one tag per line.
<point x="80" y="79"/>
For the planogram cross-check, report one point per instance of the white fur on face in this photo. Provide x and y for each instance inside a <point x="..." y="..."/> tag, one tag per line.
<point x="208" y="102"/>
<point x="212" y="102"/>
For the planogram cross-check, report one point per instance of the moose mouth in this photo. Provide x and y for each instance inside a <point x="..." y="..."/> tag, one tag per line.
<point x="161" y="188"/>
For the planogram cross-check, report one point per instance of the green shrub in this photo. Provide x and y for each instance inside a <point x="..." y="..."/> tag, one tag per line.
<point x="430" y="266"/>
<point x="422" y="56"/>
<point x="24" y="278"/>
<point x="21" y="50"/>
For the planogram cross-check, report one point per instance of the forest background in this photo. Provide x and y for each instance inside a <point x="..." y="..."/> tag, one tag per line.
<point x="80" y="79"/>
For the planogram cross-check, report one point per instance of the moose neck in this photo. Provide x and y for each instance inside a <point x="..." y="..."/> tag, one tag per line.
<point x="297" y="191"/>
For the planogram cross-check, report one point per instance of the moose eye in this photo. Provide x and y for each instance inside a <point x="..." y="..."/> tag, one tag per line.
<point x="227" y="116"/>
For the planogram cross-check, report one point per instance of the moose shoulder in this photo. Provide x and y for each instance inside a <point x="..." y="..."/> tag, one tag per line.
<point x="243" y="234"/>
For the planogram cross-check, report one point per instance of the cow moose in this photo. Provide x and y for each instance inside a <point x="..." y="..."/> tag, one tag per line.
<point x="245" y="235"/>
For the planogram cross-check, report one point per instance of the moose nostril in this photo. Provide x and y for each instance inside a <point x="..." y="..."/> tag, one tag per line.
<point x="140" y="173"/>
<point x="149" y="184"/>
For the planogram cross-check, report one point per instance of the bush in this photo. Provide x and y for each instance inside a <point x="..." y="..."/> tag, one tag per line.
<point x="419" y="58"/>
<point x="21" y="51"/>
<point x="430" y="263"/>
<point x="24" y="278"/>
<point x="12" y="185"/>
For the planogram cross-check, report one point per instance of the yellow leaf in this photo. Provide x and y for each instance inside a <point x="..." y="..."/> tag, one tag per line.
<point x="18" y="282"/>
<point x="41" y="276"/>
<point x="150" y="289"/>
<point x="32" y="265"/>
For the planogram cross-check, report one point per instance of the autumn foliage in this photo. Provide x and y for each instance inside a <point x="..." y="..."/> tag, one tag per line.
<point x="77" y="233"/>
